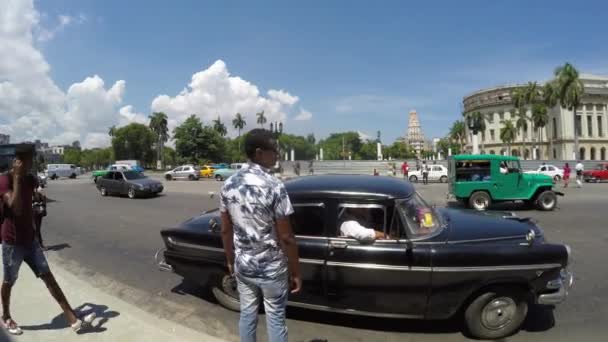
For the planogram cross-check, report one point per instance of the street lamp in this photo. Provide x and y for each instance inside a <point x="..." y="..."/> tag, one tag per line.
<point x="474" y="124"/>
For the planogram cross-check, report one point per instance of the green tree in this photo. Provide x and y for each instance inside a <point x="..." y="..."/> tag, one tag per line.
<point x="134" y="141"/>
<point x="397" y="150"/>
<point x="458" y="133"/>
<point x="219" y="127"/>
<point x="570" y="90"/>
<point x="532" y="93"/>
<point x="481" y="119"/>
<point x="112" y="131"/>
<point x="521" y="123"/>
<point x="445" y="144"/>
<point x="334" y="145"/>
<point x="540" y="118"/>
<point x="239" y="123"/>
<point x="311" y="138"/>
<point x="71" y="156"/>
<point x="158" y="125"/>
<point x="369" y="151"/>
<point x="195" y="143"/>
<point x="550" y="97"/>
<point x="170" y="156"/>
<point x="261" y="118"/>
<point x="302" y="148"/>
<point x="508" y="133"/>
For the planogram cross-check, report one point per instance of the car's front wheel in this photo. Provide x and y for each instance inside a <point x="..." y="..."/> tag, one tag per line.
<point x="131" y="193"/>
<point x="191" y="177"/>
<point x="103" y="191"/>
<point x="497" y="313"/>
<point x="480" y="200"/>
<point x="443" y="179"/>
<point x="556" y="178"/>
<point x="168" y="177"/>
<point x="219" y="178"/>
<point x="413" y="179"/>
<point x="226" y="292"/>
<point x="546" y="200"/>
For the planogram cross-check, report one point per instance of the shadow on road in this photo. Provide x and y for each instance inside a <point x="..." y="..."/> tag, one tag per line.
<point x="58" y="247"/>
<point x="504" y="206"/>
<point x="540" y="318"/>
<point x="59" y="321"/>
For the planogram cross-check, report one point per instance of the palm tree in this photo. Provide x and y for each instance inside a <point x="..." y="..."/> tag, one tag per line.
<point x="458" y="133"/>
<point x="570" y="90"/>
<point x="519" y="97"/>
<point x="261" y="118"/>
<point x="508" y="133"/>
<point x="158" y="125"/>
<point x="219" y="126"/>
<point x="521" y="124"/>
<point x="532" y="93"/>
<point x="481" y="120"/>
<point x="112" y="130"/>
<point x="540" y="118"/>
<point x="550" y="99"/>
<point x="238" y="123"/>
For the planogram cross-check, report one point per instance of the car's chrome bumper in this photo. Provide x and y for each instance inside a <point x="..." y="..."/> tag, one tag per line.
<point x="562" y="284"/>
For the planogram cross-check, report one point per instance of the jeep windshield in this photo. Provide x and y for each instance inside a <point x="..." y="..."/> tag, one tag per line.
<point x="420" y="218"/>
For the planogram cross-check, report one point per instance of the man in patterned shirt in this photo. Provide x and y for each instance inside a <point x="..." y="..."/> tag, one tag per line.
<point x="258" y="240"/>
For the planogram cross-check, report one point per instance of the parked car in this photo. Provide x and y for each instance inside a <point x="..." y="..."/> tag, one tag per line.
<point x="436" y="173"/>
<point x="55" y="171"/>
<point x="477" y="181"/>
<point x="220" y="166"/>
<point x="114" y="167"/>
<point x="131" y="183"/>
<point x="222" y="174"/>
<point x="549" y="170"/>
<point x="436" y="262"/>
<point x="189" y="172"/>
<point x="206" y="171"/>
<point x="598" y="174"/>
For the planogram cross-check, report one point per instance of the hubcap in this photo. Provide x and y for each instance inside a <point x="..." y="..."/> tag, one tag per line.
<point x="548" y="202"/>
<point x="103" y="191"/>
<point x="481" y="203"/>
<point x="229" y="286"/>
<point x="498" y="313"/>
<point x="131" y="193"/>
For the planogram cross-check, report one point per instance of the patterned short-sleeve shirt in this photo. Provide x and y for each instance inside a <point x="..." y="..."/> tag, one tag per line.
<point x="255" y="199"/>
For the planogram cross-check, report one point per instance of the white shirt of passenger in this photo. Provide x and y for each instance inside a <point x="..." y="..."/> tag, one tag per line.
<point x="579" y="167"/>
<point x="353" y="229"/>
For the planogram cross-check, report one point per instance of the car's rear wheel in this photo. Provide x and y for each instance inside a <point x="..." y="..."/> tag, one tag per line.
<point x="168" y="177"/>
<point x="103" y="191"/>
<point x="413" y="179"/>
<point x="191" y="177"/>
<point x="53" y="177"/>
<point x="497" y="313"/>
<point x="226" y="292"/>
<point x="131" y="193"/>
<point x="219" y="178"/>
<point x="72" y="176"/>
<point x="546" y="200"/>
<point x="480" y="200"/>
<point x="443" y="179"/>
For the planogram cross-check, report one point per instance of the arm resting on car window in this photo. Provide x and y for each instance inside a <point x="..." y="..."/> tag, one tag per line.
<point x="227" y="239"/>
<point x="290" y="248"/>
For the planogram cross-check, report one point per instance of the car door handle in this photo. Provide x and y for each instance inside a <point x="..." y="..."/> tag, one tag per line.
<point x="338" y="245"/>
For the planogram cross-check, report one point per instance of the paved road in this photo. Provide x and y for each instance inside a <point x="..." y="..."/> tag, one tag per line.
<point x="110" y="242"/>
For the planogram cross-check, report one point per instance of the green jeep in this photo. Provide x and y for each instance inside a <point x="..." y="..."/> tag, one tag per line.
<point x="479" y="180"/>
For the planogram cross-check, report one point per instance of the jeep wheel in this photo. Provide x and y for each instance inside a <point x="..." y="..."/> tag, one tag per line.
<point x="168" y="177"/>
<point x="480" y="200"/>
<point x="443" y="179"/>
<point x="413" y="179"/>
<point x="546" y="200"/>
<point x="496" y="314"/>
<point x="219" y="178"/>
<point x="226" y="292"/>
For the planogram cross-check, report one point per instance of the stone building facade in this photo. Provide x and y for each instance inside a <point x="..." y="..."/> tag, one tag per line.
<point x="554" y="141"/>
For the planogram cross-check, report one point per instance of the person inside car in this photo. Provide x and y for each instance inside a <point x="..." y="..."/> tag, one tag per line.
<point x="356" y="221"/>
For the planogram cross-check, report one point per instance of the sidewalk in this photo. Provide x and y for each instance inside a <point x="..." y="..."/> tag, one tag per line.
<point x="41" y="319"/>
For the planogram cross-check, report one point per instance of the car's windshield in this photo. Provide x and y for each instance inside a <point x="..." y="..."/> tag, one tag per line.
<point x="420" y="218"/>
<point x="133" y="175"/>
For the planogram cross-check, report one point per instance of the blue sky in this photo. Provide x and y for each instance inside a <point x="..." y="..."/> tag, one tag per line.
<point x="355" y="65"/>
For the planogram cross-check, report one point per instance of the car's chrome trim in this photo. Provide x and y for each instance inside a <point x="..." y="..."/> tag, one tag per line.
<point x="312" y="261"/>
<point x="318" y="205"/>
<point x="172" y="241"/>
<point x="351" y="311"/>
<point x="512" y="237"/>
<point x="497" y="268"/>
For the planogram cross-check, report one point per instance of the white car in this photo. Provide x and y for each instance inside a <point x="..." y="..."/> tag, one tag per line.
<point x="189" y="172"/>
<point x="549" y="170"/>
<point x="436" y="173"/>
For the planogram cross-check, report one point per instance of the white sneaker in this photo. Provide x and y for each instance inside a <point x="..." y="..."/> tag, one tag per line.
<point x="80" y="325"/>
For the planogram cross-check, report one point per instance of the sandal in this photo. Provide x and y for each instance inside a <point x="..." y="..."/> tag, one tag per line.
<point x="83" y="323"/>
<point x="11" y="326"/>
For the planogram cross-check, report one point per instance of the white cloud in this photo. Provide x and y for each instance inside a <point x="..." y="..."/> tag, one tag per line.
<point x="303" y="115"/>
<point x="363" y="136"/>
<point x="127" y="116"/>
<point x="214" y="92"/>
<point x="371" y="103"/>
<point x="63" y="20"/>
<point x="32" y="106"/>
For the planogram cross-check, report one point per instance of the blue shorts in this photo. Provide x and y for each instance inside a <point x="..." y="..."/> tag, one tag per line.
<point x="14" y="255"/>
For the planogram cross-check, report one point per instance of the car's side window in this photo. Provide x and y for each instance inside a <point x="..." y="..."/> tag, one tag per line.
<point x="117" y="175"/>
<point x="109" y="175"/>
<point x="369" y="216"/>
<point x="308" y="219"/>
<point x="544" y="168"/>
<point x="436" y="168"/>
<point x="473" y="171"/>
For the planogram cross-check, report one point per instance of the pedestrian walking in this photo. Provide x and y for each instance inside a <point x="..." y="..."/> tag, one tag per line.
<point x="579" y="173"/>
<point x="376" y="173"/>
<point x="405" y="169"/>
<point x="19" y="243"/>
<point x="311" y="169"/>
<point x="394" y="168"/>
<point x="259" y="243"/>
<point x="425" y="173"/>
<point x="566" y="175"/>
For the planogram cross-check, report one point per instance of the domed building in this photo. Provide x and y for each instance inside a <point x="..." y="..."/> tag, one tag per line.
<point x="556" y="139"/>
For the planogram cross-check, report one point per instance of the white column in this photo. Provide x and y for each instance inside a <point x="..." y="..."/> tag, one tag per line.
<point x="438" y="155"/>
<point x="321" y="153"/>
<point x="317" y="157"/>
<point x="449" y="151"/>
<point x="292" y="155"/>
<point x="533" y="153"/>
<point x="379" y="151"/>
<point x="476" y="143"/>
<point x="286" y="155"/>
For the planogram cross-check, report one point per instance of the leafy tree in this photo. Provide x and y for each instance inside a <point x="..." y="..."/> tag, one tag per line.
<point x="158" y="125"/>
<point x="302" y="148"/>
<point x="521" y="124"/>
<point x="368" y="151"/>
<point x="239" y="123"/>
<point x="96" y="158"/>
<point x="134" y="141"/>
<point x="311" y="138"/>
<point x="219" y="126"/>
<point x="540" y="118"/>
<point x="333" y="145"/>
<point x="570" y="90"/>
<point x="76" y="144"/>
<point x="458" y="133"/>
<point x="112" y="131"/>
<point x="195" y="143"/>
<point x="71" y="156"/>
<point x="398" y="150"/>
<point x="550" y="99"/>
<point x="508" y="133"/>
<point x="445" y="144"/>
<point x="169" y="156"/>
<point x="481" y="119"/>
<point x="261" y="118"/>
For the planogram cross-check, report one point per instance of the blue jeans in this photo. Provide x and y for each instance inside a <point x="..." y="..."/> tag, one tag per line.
<point x="274" y="293"/>
<point x="14" y="255"/>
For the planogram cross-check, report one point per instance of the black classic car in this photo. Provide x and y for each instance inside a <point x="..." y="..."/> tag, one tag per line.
<point x="434" y="263"/>
<point x="131" y="183"/>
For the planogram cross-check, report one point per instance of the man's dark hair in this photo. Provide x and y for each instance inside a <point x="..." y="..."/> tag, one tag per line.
<point x="258" y="138"/>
